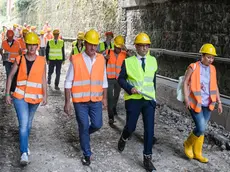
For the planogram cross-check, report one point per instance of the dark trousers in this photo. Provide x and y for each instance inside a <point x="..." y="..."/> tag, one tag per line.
<point x="8" y="66"/>
<point x="52" y="64"/>
<point x="113" y="93"/>
<point x="42" y="51"/>
<point x="133" y="109"/>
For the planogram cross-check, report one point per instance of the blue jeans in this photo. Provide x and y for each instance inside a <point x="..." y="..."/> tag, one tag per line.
<point x="201" y="120"/>
<point x="133" y="109"/>
<point x="89" y="119"/>
<point x="25" y="113"/>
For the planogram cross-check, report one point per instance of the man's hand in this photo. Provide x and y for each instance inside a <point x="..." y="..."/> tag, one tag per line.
<point x="67" y="109"/>
<point x="134" y="91"/>
<point x="104" y="103"/>
<point x="8" y="100"/>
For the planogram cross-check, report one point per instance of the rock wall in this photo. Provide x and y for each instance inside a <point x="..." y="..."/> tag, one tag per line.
<point x="72" y="16"/>
<point x="182" y="25"/>
<point x="179" y="25"/>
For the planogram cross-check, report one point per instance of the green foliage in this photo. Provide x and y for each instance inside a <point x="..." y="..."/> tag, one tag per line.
<point x="21" y="5"/>
<point x="3" y="4"/>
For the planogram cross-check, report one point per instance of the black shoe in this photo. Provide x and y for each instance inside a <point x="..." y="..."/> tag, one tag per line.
<point x="115" y="111"/>
<point x="148" y="165"/>
<point x="154" y="140"/>
<point x="56" y="88"/>
<point x="121" y="144"/>
<point x="111" y="121"/>
<point x="85" y="160"/>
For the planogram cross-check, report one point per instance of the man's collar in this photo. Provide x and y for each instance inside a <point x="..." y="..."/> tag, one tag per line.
<point x="139" y="56"/>
<point x="86" y="55"/>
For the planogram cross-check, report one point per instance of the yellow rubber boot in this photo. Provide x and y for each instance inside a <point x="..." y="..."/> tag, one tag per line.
<point x="188" y="145"/>
<point x="197" y="150"/>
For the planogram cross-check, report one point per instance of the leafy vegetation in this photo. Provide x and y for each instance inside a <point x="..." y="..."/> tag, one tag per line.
<point x="21" y="5"/>
<point x="3" y="4"/>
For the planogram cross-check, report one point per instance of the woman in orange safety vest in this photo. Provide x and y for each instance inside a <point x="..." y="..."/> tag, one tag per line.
<point x="201" y="93"/>
<point x="30" y="90"/>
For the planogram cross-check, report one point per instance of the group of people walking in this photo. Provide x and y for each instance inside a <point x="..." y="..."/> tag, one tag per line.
<point x="94" y="79"/>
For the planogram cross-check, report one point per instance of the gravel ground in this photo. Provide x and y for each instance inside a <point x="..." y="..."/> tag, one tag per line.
<point x="54" y="141"/>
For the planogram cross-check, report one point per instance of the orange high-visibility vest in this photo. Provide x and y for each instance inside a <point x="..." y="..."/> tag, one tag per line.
<point x="23" y="45"/>
<point x="195" y="87"/>
<point x="29" y="86"/>
<point x="13" y="50"/>
<point x="87" y="87"/>
<point x="114" y="64"/>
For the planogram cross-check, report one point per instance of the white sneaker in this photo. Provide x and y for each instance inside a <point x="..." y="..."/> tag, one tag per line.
<point x="28" y="152"/>
<point x="24" y="159"/>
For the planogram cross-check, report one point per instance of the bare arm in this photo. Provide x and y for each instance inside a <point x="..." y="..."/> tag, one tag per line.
<point x="220" y="108"/>
<point x="44" y="87"/>
<point x="104" y="100"/>
<point x="10" y="77"/>
<point x="186" y="86"/>
<point x="9" y="82"/>
<point x="67" y="107"/>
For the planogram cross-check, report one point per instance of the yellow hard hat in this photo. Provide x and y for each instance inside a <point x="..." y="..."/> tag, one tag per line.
<point x="56" y="31"/>
<point x="208" y="49"/>
<point x="31" y="38"/>
<point x="49" y="29"/>
<point x="25" y="30"/>
<point x="80" y="35"/>
<point x="15" y="25"/>
<point x="42" y="32"/>
<point x="142" y="38"/>
<point x="92" y="37"/>
<point x="119" y="41"/>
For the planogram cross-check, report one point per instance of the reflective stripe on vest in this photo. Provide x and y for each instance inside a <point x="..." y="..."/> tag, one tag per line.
<point x="87" y="87"/>
<point x="29" y="84"/>
<point x="195" y="87"/>
<point x="55" y="51"/>
<point x="142" y="81"/>
<point x="29" y="87"/>
<point x="27" y="95"/>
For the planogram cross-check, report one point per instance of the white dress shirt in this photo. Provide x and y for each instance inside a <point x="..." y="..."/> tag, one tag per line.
<point x="89" y="63"/>
<point x="42" y="42"/>
<point x="139" y="58"/>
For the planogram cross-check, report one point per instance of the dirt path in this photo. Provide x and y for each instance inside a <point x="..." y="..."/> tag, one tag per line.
<point x="54" y="142"/>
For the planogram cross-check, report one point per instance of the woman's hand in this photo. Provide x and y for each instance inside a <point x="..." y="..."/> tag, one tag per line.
<point x="8" y="99"/>
<point x="44" y="101"/>
<point x="187" y="104"/>
<point x="220" y="108"/>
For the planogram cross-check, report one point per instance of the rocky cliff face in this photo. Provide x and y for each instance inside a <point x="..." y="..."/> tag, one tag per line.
<point x="179" y="25"/>
<point x="71" y="16"/>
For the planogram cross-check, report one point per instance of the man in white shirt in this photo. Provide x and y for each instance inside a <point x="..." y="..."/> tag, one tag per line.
<point x="42" y="50"/>
<point x="86" y="81"/>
